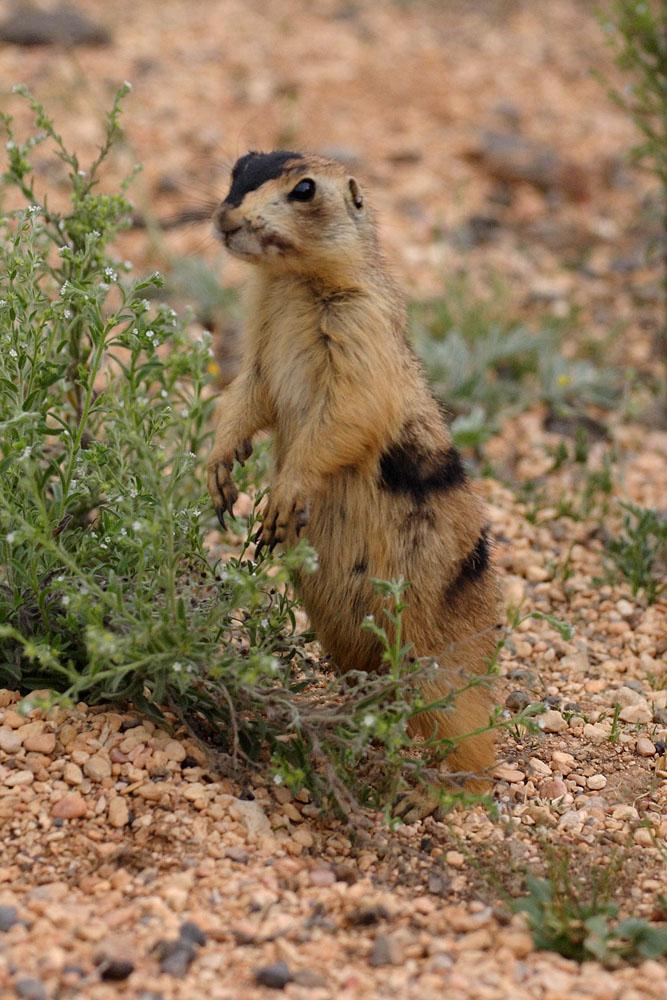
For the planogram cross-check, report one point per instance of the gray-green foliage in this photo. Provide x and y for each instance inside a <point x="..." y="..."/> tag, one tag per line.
<point x="486" y="367"/>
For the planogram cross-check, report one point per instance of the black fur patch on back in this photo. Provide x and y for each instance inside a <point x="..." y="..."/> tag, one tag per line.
<point x="406" y="469"/>
<point x="473" y="566"/>
<point x="254" y="169"/>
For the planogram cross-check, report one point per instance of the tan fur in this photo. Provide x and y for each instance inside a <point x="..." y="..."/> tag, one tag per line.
<point x="328" y="369"/>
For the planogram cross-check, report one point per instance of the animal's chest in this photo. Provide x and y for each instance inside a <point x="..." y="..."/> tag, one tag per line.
<point x="294" y="360"/>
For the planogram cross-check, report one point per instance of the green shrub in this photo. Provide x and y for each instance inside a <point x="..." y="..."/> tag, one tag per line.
<point x="575" y="916"/>
<point x="639" y="551"/>
<point x="637" y="31"/>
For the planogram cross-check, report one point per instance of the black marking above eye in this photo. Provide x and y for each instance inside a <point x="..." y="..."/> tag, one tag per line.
<point x="304" y="190"/>
<point x="254" y="169"/>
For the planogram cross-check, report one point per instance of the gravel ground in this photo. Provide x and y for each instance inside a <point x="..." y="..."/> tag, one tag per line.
<point x="130" y="866"/>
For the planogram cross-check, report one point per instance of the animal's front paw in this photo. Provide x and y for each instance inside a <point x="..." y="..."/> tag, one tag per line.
<point x="285" y="513"/>
<point x="221" y="486"/>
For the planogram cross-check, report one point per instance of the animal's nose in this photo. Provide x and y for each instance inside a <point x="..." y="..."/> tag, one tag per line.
<point x="225" y="220"/>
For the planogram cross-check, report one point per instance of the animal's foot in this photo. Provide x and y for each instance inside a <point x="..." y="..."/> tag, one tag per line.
<point x="221" y="486"/>
<point x="416" y="804"/>
<point x="286" y="512"/>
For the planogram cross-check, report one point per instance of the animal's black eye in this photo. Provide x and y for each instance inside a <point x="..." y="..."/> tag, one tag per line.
<point x="304" y="191"/>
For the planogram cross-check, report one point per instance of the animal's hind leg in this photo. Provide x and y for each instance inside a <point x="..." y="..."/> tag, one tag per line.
<point x="468" y="763"/>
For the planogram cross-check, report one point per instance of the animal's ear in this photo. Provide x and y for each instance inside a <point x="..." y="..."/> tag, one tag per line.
<point x="355" y="191"/>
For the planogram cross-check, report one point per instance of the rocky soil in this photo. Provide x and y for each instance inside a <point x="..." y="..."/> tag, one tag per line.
<point x="130" y="866"/>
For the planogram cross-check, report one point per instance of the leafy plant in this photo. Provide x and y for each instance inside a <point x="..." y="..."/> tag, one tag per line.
<point x="484" y="365"/>
<point x="576" y="917"/>
<point x="637" y="32"/>
<point x="639" y="551"/>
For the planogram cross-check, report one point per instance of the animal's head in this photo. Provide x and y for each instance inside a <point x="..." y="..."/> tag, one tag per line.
<point x="292" y="212"/>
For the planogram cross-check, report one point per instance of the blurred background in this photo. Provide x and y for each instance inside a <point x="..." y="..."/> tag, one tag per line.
<point x="484" y="133"/>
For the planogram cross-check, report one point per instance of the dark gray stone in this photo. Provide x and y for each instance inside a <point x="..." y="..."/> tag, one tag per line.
<point x="275" y="977"/>
<point x="115" y="970"/>
<point x="8" y="917"/>
<point x="192" y="933"/>
<point x="29" y="989"/>
<point x="61" y="25"/>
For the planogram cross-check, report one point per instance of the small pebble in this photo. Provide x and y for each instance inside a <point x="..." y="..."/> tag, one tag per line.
<point x="505" y="772"/>
<point x="516" y="701"/>
<point x="8" y="917"/>
<point x="596" y="781"/>
<point x="29" y="989"/>
<point x="636" y="713"/>
<point x="385" y="951"/>
<point x="553" y="788"/>
<point x="551" y="722"/>
<point x="15" y="779"/>
<point x="72" y="773"/>
<point x="115" y="970"/>
<point x="175" y="956"/>
<point x="595" y="733"/>
<point x="645" y="747"/>
<point x="275" y="977"/>
<point x="10" y="739"/>
<point x="192" y="933"/>
<point x="71" y="806"/>
<point x="97" y="768"/>
<point x="455" y="859"/>
<point x="119" y="814"/>
<point x="41" y="743"/>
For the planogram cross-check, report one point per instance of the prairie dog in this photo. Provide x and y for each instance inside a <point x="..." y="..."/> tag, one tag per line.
<point x="363" y="461"/>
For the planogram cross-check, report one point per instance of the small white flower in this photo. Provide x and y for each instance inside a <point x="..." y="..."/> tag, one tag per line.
<point x="368" y="720"/>
<point x="11" y="538"/>
<point x="64" y="600"/>
<point x="369" y="618"/>
<point x="150" y="334"/>
<point x="13" y="352"/>
<point x="145" y="304"/>
<point x="3" y="302"/>
<point x="10" y="144"/>
<point x="177" y="667"/>
<point x="81" y="173"/>
<point x="277" y="779"/>
<point x="67" y="313"/>
<point x="34" y="209"/>
<point x="136" y="525"/>
<point x="111" y="274"/>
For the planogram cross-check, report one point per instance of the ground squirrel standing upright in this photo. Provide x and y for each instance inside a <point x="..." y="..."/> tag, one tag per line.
<point x="363" y="459"/>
